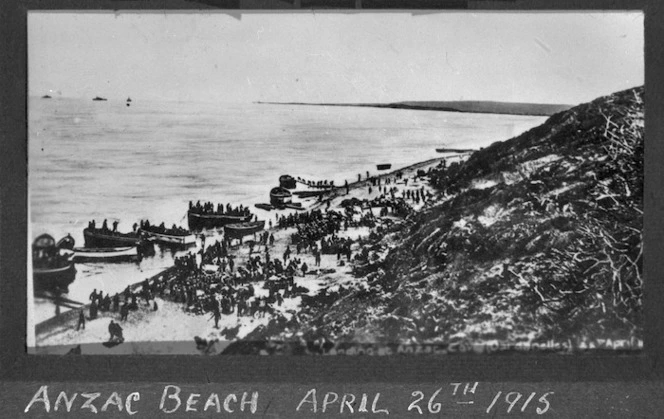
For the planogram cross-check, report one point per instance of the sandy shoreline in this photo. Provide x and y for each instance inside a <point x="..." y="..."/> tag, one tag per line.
<point x="145" y="329"/>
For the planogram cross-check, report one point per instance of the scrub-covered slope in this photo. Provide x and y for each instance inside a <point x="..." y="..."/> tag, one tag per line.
<point x="537" y="236"/>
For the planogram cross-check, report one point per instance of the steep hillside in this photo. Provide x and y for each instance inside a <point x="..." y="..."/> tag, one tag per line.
<point x="537" y="237"/>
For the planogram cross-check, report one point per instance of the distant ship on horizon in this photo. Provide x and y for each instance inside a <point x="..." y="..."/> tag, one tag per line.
<point x="97" y="99"/>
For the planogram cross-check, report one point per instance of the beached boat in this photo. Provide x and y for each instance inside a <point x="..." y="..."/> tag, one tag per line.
<point x="181" y="237"/>
<point x="309" y="194"/>
<point x="287" y="181"/>
<point x="99" y="237"/>
<point x="52" y="268"/>
<point x="105" y="254"/>
<point x="385" y="166"/>
<point x="294" y="205"/>
<point x="198" y="221"/>
<point x="266" y="207"/>
<point x="67" y="242"/>
<point x="280" y="196"/>
<point x="239" y="230"/>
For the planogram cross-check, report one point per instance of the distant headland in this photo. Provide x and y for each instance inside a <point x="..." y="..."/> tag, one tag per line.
<point x="470" y="106"/>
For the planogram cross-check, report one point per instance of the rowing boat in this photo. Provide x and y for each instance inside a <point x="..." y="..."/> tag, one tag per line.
<point x="99" y="237"/>
<point x="309" y="194"/>
<point x="280" y="196"/>
<point x="384" y="166"/>
<point x="52" y="267"/>
<point x="172" y="237"/>
<point x="105" y="254"/>
<point x="199" y="221"/>
<point x="239" y="230"/>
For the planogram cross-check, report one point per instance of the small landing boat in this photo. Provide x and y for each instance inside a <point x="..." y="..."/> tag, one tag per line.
<point x="237" y="231"/>
<point x="98" y="237"/>
<point x="52" y="267"/>
<point x="310" y="194"/>
<point x="280" y="196"/>
<point x="266" y="207"/>
<point x="180" y="237"/>
<point x="385" y="166"/>
<point x="105" y="254"/>
<point x="198" y="221"/>
<point x="287" y="181"/>
<point x="295" y="206"/>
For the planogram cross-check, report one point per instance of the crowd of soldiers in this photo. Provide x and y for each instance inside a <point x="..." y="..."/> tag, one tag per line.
<point x="230" y="290"/>
<point x="219" y="209"/>
<point x="121" y="303"/>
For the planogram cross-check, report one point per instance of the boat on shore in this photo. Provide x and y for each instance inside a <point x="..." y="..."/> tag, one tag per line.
<point x="287" y="181"/>
<point x="199" y="221"/>
<point x="98" y="237"/>
<point x="52" y="267"/>
<point x="266" y="207"/>
<point x="310" y="194"/>
<point x="170" y="236"/>
<point x="280" y="196"/>
<point x="239" y="230"/>
<point x="105" y="254"/>
<point x="67" y="242"/>
<point x="385" y="166"/>
<point x="294" y="205"/>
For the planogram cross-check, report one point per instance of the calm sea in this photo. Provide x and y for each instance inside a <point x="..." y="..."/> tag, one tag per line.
<point x="105" y="160"/>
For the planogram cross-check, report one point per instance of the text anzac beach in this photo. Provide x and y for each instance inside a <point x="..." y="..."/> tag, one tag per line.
<point x="173" y="400"/>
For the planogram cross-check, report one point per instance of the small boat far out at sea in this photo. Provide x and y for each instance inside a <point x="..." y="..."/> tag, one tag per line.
<point x="385" y="166"/>
<point x="98" y="99"/>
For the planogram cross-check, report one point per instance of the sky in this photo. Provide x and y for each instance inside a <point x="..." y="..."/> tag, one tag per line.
<point x="568" y="57"/>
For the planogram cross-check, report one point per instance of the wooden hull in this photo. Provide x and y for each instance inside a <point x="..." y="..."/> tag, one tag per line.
<point x="309" y="194"/>
<point x="100" y="238"/>
<point x="295" y="206"/>
<point x="105" y="254"/>
<point x="383" y="166"/>
<point x="199" y="222"/>
<point x="280" y="196"/>
<point x="171" y="238"/>
<point x="287" y="182"/>
<point x="57" y="278"/>
<point x="243" y="229"/>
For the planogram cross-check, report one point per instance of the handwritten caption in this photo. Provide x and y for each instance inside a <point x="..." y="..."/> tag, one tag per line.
<point x="173" y="399"/>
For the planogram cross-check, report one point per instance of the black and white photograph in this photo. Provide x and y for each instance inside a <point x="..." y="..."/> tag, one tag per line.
<point x="324" y="183"/>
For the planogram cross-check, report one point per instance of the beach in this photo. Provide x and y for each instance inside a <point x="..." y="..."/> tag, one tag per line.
<point x="170" y="329"/>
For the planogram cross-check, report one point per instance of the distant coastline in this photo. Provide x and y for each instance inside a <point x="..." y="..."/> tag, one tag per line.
<point x="468" y="106"/>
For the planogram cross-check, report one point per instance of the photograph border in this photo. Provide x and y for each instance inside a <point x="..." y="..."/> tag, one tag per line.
<point x="17" y="365"/>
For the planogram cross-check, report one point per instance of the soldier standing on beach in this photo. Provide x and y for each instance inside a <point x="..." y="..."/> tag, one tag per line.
<point x="217" y="314"/>
<point x="81" y="320"/>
